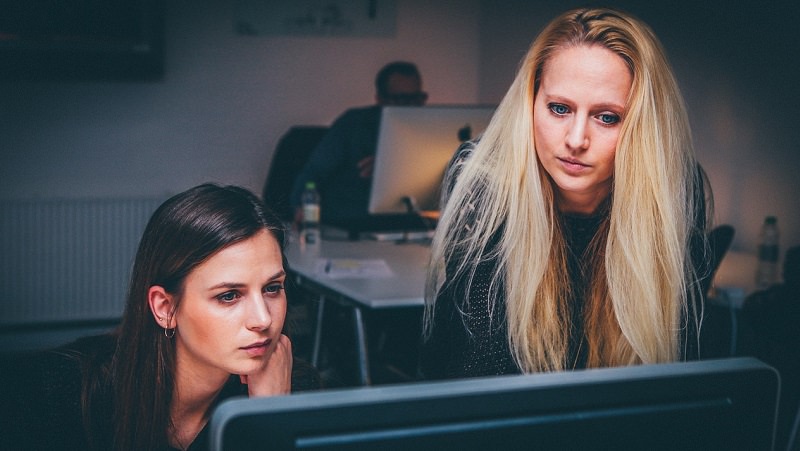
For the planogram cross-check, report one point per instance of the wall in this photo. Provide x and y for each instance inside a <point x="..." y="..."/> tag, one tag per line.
<point x="225" y="101"/>
<point x="738" y="68"/>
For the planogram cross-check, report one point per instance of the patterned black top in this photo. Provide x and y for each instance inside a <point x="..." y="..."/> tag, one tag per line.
<point x="467" y="341"/>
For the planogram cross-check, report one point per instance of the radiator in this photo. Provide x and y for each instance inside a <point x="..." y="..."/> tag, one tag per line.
<point x="68" y="260"/>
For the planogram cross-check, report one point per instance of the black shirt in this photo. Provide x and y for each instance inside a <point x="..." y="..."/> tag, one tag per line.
<point x="40" y="398"/>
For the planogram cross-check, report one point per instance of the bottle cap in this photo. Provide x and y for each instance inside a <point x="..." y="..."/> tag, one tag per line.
<point x="311" y="185"/>
<point x="770" y="220"/>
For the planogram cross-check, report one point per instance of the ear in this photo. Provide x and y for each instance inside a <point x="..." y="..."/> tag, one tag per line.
<point x="162" y="305"/>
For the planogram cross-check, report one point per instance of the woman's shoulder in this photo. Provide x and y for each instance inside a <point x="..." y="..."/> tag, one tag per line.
<point x="59" y="370"/>
<point x="43" y="391"/>
<point x="94" y="346"/>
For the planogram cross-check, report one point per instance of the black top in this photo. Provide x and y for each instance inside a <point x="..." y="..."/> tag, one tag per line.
<point x="467" y="341"/>
<point x="40" y="398"/>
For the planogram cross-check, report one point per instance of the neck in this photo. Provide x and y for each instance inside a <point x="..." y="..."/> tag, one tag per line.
<point x="191" y="402"/>
<point x="582" y="205"/>
<point x="189" y="414"/>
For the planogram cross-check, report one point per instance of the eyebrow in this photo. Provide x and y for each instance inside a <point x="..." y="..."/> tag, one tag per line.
<point x="599" y="106"/>
<point x="277" y="275"/>
<point x="610" y="106"/>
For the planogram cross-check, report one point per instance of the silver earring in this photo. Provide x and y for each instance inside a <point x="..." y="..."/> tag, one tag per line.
<point x="169" y="333"/>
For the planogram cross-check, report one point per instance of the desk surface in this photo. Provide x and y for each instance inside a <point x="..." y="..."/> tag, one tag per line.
<point x="403" y="287"/>
<point x="735" y="278"/>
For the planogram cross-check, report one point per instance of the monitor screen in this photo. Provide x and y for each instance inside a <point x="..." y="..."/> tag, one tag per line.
<point x="714" y="404"/>
<point x="414" y="146"/>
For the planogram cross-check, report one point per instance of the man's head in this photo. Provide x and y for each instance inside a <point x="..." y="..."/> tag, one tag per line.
<point x="399" y="83"/>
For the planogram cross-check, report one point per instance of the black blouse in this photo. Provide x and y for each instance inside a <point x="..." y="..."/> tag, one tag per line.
<point x="468" y="340"/>
<point x="40" y="398"/>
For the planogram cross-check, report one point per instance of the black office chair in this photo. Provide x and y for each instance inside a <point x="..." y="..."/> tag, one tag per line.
<point x="769" y="332"/>
<point x="290" y="156"/>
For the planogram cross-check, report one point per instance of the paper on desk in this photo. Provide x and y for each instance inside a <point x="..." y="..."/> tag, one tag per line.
<point x="352" y="268"/>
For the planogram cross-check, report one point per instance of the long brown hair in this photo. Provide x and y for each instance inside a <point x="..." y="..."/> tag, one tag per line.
<point x="183" y="232"/>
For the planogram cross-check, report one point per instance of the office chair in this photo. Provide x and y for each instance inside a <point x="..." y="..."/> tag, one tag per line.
<point x="290" y="156"/>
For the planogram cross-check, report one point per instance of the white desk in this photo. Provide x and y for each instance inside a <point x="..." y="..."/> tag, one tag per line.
<point x="736" y="277"/>
<point x="403" y="287"/>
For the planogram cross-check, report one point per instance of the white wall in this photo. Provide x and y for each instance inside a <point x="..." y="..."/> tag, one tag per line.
<point x="225" y="101"/>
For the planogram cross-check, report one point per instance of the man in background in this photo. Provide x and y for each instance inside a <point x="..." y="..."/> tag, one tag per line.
<point x="341" y="164"/>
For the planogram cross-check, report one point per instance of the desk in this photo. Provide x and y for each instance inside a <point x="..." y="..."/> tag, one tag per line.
<point x="404" y="287"/>
<point x="736" y="276"/>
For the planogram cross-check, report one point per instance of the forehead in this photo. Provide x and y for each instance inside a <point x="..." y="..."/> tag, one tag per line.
<point x="587" y="69"/>
<point x="258" y="254"/>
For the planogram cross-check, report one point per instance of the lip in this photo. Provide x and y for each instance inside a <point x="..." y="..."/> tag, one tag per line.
<point x="258" y="348"/>
<point x="572" y="165"/>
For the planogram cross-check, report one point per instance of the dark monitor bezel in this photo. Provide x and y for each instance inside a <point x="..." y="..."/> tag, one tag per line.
<point x="716" y="404"/>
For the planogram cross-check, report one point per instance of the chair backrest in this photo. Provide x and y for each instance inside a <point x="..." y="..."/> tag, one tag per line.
<point x="720" y="239"/>
<point x="290" y="156"/>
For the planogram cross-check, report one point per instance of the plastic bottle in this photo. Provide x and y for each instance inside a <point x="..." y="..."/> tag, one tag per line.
<point x="768" y="252"/>
<point x="310" y="229"/>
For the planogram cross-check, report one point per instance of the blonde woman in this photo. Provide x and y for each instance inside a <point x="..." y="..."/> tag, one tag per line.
<point x="573" y="231"/>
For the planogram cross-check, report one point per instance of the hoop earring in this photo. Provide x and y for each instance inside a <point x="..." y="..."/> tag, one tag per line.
<point x="169" y="333"/>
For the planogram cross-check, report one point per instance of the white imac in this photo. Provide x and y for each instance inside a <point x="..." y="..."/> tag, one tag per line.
<point x="414" y="146"/>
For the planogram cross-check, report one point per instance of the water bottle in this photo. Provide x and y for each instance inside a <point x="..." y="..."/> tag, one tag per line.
<point x="768" y="252"/>
<point x="310" y="228"/>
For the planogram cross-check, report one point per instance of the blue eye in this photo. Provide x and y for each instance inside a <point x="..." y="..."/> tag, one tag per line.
<point x="273" y="288"/>
<point x="608" y="119"/>
<point x="228" y="297"/>
<point x="558" y="108"/>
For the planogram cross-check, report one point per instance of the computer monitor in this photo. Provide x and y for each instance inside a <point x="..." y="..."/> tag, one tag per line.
<point x="715" y="404"/>
<point x="414" y="146"/>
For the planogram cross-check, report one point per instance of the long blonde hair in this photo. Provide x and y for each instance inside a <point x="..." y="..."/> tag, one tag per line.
<point x="502" y="207"/>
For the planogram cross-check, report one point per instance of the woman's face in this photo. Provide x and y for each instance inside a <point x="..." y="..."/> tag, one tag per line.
<point x="232" y="309"/>
<point x="577" y="116"/>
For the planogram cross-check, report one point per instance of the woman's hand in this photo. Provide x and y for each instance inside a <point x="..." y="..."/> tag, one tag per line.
<point x="275" y="377"/>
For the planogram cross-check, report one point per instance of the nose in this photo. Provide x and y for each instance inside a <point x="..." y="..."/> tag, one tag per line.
<point x="578" y="134"/>
<point x="258" y="315"/>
